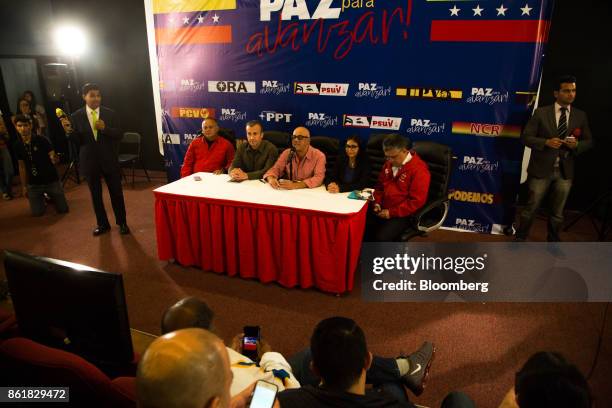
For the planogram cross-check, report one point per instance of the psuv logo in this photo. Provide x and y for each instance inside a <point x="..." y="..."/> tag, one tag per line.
<point x="356" y="121"/>
<point x="372" y="122"/>
<point x="231" y="86"/>
<point x="471" y="225"/>
<point x="321" y="88"/>
<point x="306" y="88"/>
<point x="425" y="126"/>
<point x="488" y="96"/>
<point x="277" y="117"/>
<point x="231" y="114"/>
<point x="299" y="9"/>
<point x="274" y="87"/>
<point x="171" y="138"/>
<point x="371" y="90"/>
<point x="478" y="164"/>
<point x="321" y="119"/>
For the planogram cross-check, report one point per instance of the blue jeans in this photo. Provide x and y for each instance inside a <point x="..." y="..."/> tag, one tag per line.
<point x="6" y="171"/>
<point x="36" y="196"/>
<point x="538" y="187"/>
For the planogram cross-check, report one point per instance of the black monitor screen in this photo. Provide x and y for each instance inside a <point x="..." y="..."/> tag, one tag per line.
<point x="70" y="306"/>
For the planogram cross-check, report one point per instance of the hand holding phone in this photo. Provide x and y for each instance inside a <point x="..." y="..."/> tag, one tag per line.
<point x="264" y="395"/>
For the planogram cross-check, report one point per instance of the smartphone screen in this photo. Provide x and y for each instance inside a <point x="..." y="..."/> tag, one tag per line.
<point x="264" y="395"/>
<point x="249" y="341"/>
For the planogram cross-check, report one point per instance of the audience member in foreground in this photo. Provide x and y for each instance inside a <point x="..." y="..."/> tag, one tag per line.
<point x="187" y="368"/>
<point x="547" y="380"/>
<point x="402" y="188"/>
<point x="340" y="358"/>
<point x="255" y="157"/>
<point x="37" y="172"/>
<point x="272" y="367"/>
<point x="302" y="166"/>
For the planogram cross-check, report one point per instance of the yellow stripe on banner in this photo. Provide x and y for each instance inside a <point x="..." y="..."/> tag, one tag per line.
<point x="185" y="6"/>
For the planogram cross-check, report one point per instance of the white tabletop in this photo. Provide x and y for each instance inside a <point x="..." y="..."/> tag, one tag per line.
<point x="256" y="192"/>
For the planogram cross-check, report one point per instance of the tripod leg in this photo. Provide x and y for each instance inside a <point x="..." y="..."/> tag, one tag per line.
<point x="589" y="210"/>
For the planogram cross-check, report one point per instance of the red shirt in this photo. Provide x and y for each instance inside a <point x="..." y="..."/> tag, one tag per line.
<point x="200" y="157"/>
<point x="405" y="193"/>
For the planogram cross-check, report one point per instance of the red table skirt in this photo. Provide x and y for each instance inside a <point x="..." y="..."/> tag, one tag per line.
<point x="273" y="244"/>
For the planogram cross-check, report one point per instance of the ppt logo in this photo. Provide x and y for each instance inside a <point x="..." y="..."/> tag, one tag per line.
<point x="277" y="117"/>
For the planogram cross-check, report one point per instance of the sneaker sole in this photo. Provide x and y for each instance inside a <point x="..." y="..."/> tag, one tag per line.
<point x="420" y="390"/>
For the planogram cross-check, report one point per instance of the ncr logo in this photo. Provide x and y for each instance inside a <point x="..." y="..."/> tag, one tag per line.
<point x="231" y="86"/>
<point x="276" y="117"/>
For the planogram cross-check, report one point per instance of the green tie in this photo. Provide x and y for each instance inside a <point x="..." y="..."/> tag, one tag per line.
<point x="94" y="119"/>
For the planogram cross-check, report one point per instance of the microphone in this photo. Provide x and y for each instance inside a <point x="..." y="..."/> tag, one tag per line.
<point x="290" y="161"/>
<point x="60" y="113"/>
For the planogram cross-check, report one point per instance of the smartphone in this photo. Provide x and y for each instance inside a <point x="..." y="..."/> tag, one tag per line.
<point x="249" y="341"/>
<point x="264" y="395"/>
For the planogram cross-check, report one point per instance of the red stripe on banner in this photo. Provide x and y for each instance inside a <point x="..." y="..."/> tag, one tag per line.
<point x="194" y="35"/>
<point x="530" y="31"/>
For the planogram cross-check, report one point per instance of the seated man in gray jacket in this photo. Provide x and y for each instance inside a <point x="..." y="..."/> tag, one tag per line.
<point x="255" y="157"/>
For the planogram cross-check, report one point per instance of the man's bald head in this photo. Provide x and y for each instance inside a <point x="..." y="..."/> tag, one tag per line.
<point x="186" y="368"/>
<point x="186" y="313"/>
<point x="300" y="140"/>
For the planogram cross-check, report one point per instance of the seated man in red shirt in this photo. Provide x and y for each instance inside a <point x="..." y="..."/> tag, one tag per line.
<point x="403" y="184"/>
<point x="211" y="153"/>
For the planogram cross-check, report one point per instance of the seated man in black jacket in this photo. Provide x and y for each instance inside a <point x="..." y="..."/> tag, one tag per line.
<point x="341" y="358"/>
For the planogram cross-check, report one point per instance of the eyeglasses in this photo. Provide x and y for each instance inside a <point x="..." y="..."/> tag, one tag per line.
<point x="299" y="137"/>
<point x="351" y="146"/>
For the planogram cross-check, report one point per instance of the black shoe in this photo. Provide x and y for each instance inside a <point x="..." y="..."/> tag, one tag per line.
<point x="101" y="230"/>
<point x="124" y="229"/>
<point x="420" y="362"/>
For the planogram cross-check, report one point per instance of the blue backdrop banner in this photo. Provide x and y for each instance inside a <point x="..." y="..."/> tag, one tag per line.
<point x="462" y="73"/>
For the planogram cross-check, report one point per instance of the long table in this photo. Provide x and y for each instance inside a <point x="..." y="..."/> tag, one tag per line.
<point x="303" y="238"/>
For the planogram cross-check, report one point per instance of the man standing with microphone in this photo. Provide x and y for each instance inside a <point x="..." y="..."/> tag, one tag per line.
<point x="556" y="134"/>
<point x="95" y="129"/>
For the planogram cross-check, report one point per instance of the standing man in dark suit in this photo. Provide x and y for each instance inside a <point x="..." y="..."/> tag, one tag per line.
<point x="556" y="134"/>
<point x="95" y="129"/>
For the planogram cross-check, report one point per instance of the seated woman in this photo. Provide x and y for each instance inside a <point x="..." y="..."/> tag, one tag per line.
<point x="352" y="169"/>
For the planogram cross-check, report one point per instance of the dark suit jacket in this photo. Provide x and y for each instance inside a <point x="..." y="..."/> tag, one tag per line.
<point x="542" y="126"/>
<point x="96" y="156"/>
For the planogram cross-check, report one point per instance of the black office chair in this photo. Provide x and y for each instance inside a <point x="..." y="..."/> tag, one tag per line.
<point x="282" y="140"/>
<point x="130" y="153"/>
<point x="330" y="147"/>
<point x="229" y="135"/>
<point x="439" y="160"/>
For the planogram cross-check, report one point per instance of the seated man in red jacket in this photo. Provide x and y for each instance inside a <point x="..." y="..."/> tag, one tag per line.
<point x="403" y="184"/>
<point x="211" y="153"/>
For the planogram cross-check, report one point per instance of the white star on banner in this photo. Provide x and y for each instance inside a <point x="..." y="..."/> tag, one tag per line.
<point x="215" y="18"/>
<point x="200" y="19"/>
<point x="478" y="10"/>
<point x="185" y="20"/>
<point x="501" y="11"/>
<point x="526" y="10"/>
<point x="454" y="11"/>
